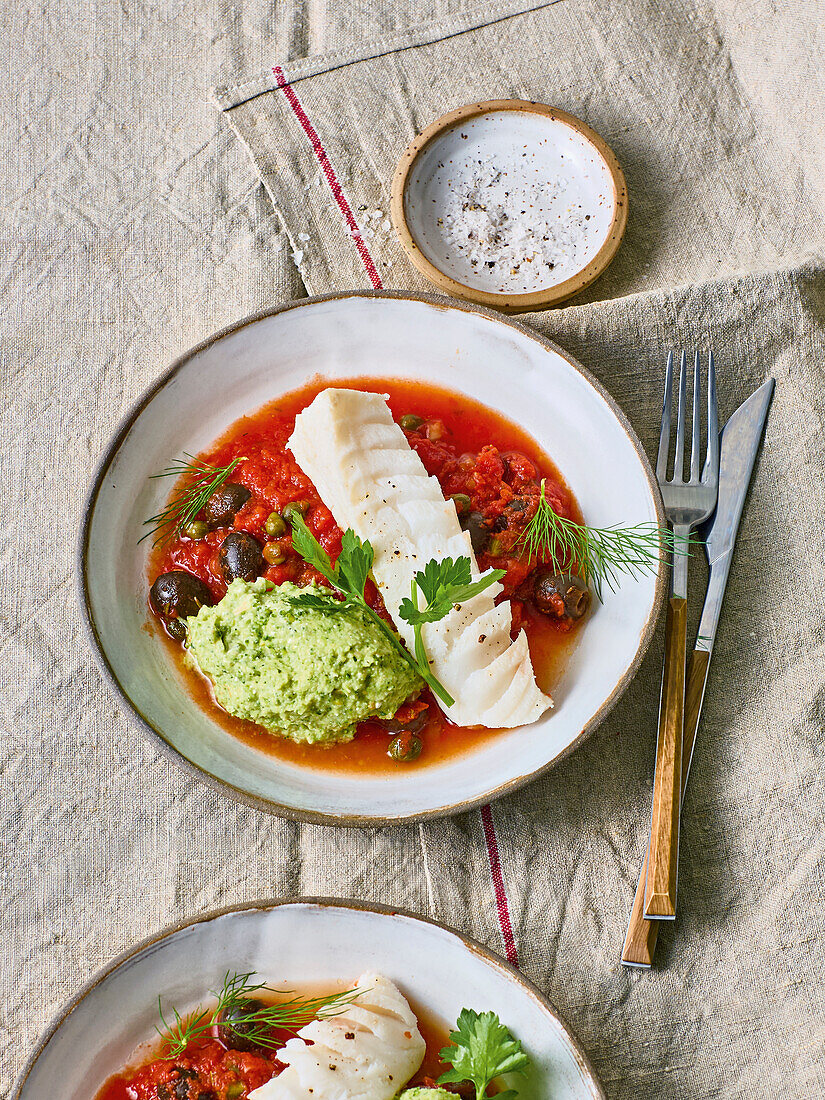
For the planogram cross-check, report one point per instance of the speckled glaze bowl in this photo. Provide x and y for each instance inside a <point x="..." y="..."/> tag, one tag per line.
<point x="304" y="942"/>
<point x="575" y="180"/>
<point x="236" y="372"/>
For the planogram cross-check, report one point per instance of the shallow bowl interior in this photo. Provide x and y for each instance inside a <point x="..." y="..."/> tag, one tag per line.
<point x="296" y="944"/>
<point x="379" y="335"/>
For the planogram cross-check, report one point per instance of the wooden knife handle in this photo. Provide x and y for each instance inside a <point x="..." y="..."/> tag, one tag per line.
<point x="640" y="941"/>
<point x="663" y="853"/>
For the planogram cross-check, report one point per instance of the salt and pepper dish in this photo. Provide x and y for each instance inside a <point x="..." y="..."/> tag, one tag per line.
<point x="510" y="204"/>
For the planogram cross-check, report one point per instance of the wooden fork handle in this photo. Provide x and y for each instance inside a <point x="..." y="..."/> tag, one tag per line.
<point x="640" y="941"/>
<point x="663" y="852"/>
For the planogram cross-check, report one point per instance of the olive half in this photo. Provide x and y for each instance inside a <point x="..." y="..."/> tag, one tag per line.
<point x="549" y="588"/>
<point x="237" y="1036"/>
<point x="220" y="508"/>
<point x="179" y="594"/>
<point x="240" y="556"/>
<point x="473" y="523"/>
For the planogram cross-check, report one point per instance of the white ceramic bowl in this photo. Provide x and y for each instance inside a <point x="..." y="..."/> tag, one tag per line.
<point x="380" y="334"/>
<point x="314" y="942"/>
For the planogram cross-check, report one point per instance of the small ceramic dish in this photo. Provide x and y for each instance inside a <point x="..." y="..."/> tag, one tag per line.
<point x="306" y="942"/>
<point x="510" y="204"/>
<point x="479" y="353"/>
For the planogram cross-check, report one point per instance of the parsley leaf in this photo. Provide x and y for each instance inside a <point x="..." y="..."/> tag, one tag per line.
<point x="444" y="584"/>
<point x="349" y="577"/>
<point x="354" y="564"/>
<point x="482" y="1049"/>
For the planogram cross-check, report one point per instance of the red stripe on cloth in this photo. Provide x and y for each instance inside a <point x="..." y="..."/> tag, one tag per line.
<point x="498" y="885"/>
<point x="332" y="179"/>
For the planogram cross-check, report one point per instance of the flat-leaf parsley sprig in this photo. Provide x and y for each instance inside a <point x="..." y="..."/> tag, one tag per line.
<point x="252" y="1024"/>
<point x="202" y="479"/>
<point x="481" y="1050"/>
<point x="599" y="554"/>
<point x="443" y="585"/>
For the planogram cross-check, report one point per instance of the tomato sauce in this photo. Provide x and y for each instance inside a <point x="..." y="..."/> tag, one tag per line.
<point x="475" y="453"/>
<point x="208" y="1070"/>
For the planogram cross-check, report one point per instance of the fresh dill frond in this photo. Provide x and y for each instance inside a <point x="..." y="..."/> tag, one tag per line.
<point x="599" y="555"/>
<point x="251" y="1024"/>
<point x="202" y="479"/>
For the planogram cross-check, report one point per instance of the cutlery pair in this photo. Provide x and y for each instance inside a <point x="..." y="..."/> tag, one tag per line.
<point x="714" y="501"/>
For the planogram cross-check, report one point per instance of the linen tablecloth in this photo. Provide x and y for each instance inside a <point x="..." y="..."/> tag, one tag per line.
<point x="136" y="223"/>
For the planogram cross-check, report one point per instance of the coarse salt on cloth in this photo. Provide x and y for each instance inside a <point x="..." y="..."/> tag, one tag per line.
<point x="713" y="193"/>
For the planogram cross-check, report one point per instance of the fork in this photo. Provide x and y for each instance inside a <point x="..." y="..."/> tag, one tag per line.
<point x="687" y="504"/>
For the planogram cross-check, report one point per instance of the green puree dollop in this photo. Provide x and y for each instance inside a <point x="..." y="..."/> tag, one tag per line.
<point x="304" y="673"/>
<point x="425" y="1094"/>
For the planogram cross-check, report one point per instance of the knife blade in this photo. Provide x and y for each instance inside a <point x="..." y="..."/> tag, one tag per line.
<point x="739" y="446"/>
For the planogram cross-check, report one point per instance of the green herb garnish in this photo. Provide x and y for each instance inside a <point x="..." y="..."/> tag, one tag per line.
<point x="202" y="479"/>
<point x="443" y="585"/>
<point x="482" y="1049"/>
<point x="599" y="554"/>
<point x="252" y="1025"/>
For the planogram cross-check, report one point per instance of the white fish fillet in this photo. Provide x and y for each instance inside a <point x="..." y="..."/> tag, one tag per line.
<point x="368" y="1052"/>
<point x="371" y="480"/>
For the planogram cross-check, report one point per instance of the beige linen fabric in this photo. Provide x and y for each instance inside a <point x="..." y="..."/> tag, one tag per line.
<point x="134" y="224"/>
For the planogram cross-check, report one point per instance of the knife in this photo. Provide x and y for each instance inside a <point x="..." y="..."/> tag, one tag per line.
<point x="739" y="446"/>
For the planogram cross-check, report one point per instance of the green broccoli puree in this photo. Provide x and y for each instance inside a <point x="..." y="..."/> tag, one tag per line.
<point x="301" y="672"/>
<point x="425" y="1094"/>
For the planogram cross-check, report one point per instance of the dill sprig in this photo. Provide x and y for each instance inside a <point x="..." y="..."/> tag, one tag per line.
<point x="202" y="479"/>
<point x="599" y="554"/>
<point x="253" y="1025"/>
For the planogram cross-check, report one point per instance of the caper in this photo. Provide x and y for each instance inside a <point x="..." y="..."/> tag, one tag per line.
<point x="275" y="526"/>
<point x="176" y="628"/>
<point x="273" y="554"/>
<point x="235" y="1090"/>
<point x="196" y="529"/>
<point x="410" y="422"/>
<point x="495" y="547"/>
<point x="296" y="508"/>
<point x="405" y="748"/>
<point x="462" y="503"/>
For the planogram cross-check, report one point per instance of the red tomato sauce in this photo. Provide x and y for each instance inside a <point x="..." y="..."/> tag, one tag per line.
<point x="208" y="1070"/>
<point x="472" y="451"/>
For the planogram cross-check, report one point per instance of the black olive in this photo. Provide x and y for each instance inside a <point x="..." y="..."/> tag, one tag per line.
<point x="415" y="726"/>
<point x="220" y="508"/>
<point x="405" y="748"/>
<point x="576" y="598"/>
<point x="240" y="556"/>
<point x="237" y="1036"/>
<point x="547" y="590"/>
<point x="178" y="594"/>
<point x="473" y="524"/>
<point x="550" y="588"/>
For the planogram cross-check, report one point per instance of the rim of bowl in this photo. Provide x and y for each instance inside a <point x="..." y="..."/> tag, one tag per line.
<point x="317" y="817"/>
<point x="266" y="906"/>
<point x="536" y="299"/>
